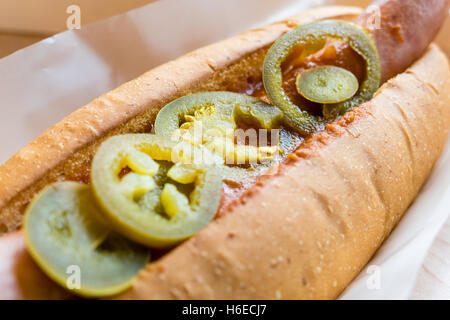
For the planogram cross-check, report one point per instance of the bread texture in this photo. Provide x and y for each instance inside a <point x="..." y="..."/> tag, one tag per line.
<point x="304" y="232"/>
<point x="65" y="151"/>
<point x="307" y="232"/>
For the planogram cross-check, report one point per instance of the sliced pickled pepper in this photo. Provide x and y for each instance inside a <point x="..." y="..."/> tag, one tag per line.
<point x="64" y="235"/>
<point x="327" y="84"/>
<point x="312" y="37"/>
<point x="167" y="193"/>
<point x="210" y="119"/>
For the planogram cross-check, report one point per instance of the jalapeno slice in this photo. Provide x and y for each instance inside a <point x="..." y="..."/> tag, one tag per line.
<point x="65" y="237"/>
<point x="312" y="36"/>
<point x="166" y="196"/>
<point x="327" y="84"/>
<point x="211" y="119"/>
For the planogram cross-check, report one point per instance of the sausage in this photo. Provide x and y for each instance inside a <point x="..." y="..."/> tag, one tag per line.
<point x="402" y="30"/>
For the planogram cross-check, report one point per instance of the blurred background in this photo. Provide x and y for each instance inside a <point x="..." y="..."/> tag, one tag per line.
<point x="24" y="22"/>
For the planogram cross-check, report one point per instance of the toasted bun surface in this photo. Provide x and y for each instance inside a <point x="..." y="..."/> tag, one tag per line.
<point x="305" y="232"/>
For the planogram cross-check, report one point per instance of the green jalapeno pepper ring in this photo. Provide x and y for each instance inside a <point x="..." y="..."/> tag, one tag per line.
<point x="230" y="106"/>
<point x="311" y="34"/>
<point x="122" y="207"/>
<point x="63" y="234"/>
<point x="327" y="84"/>
<point x="228" y="109"/>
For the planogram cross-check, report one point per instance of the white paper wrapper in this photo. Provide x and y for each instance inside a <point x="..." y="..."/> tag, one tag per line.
<point x="43" y="83"/>
<point x="399" y="259"/>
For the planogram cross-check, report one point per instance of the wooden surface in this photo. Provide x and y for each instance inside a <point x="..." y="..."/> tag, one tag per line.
<point x="433" y="281"/>
<point x="24" y="22"/>
<point x="10" y="43"/>
<point x="50" y="16"/>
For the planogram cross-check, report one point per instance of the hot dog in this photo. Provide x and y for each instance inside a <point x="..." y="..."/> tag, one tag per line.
<point x="372" y="153"/>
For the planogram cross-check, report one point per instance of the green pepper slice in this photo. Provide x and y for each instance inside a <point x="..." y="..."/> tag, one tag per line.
<point x="327" y="84"/>
<point x="313" y="36"/>
<point x="64" y="235"/>
<point x="154" y="190"/>
<point x="211" y="119"/>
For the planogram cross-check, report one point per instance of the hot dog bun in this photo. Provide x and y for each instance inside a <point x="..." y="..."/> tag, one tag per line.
<point x="65" y="151"/>
<point x="305" y="232"/>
